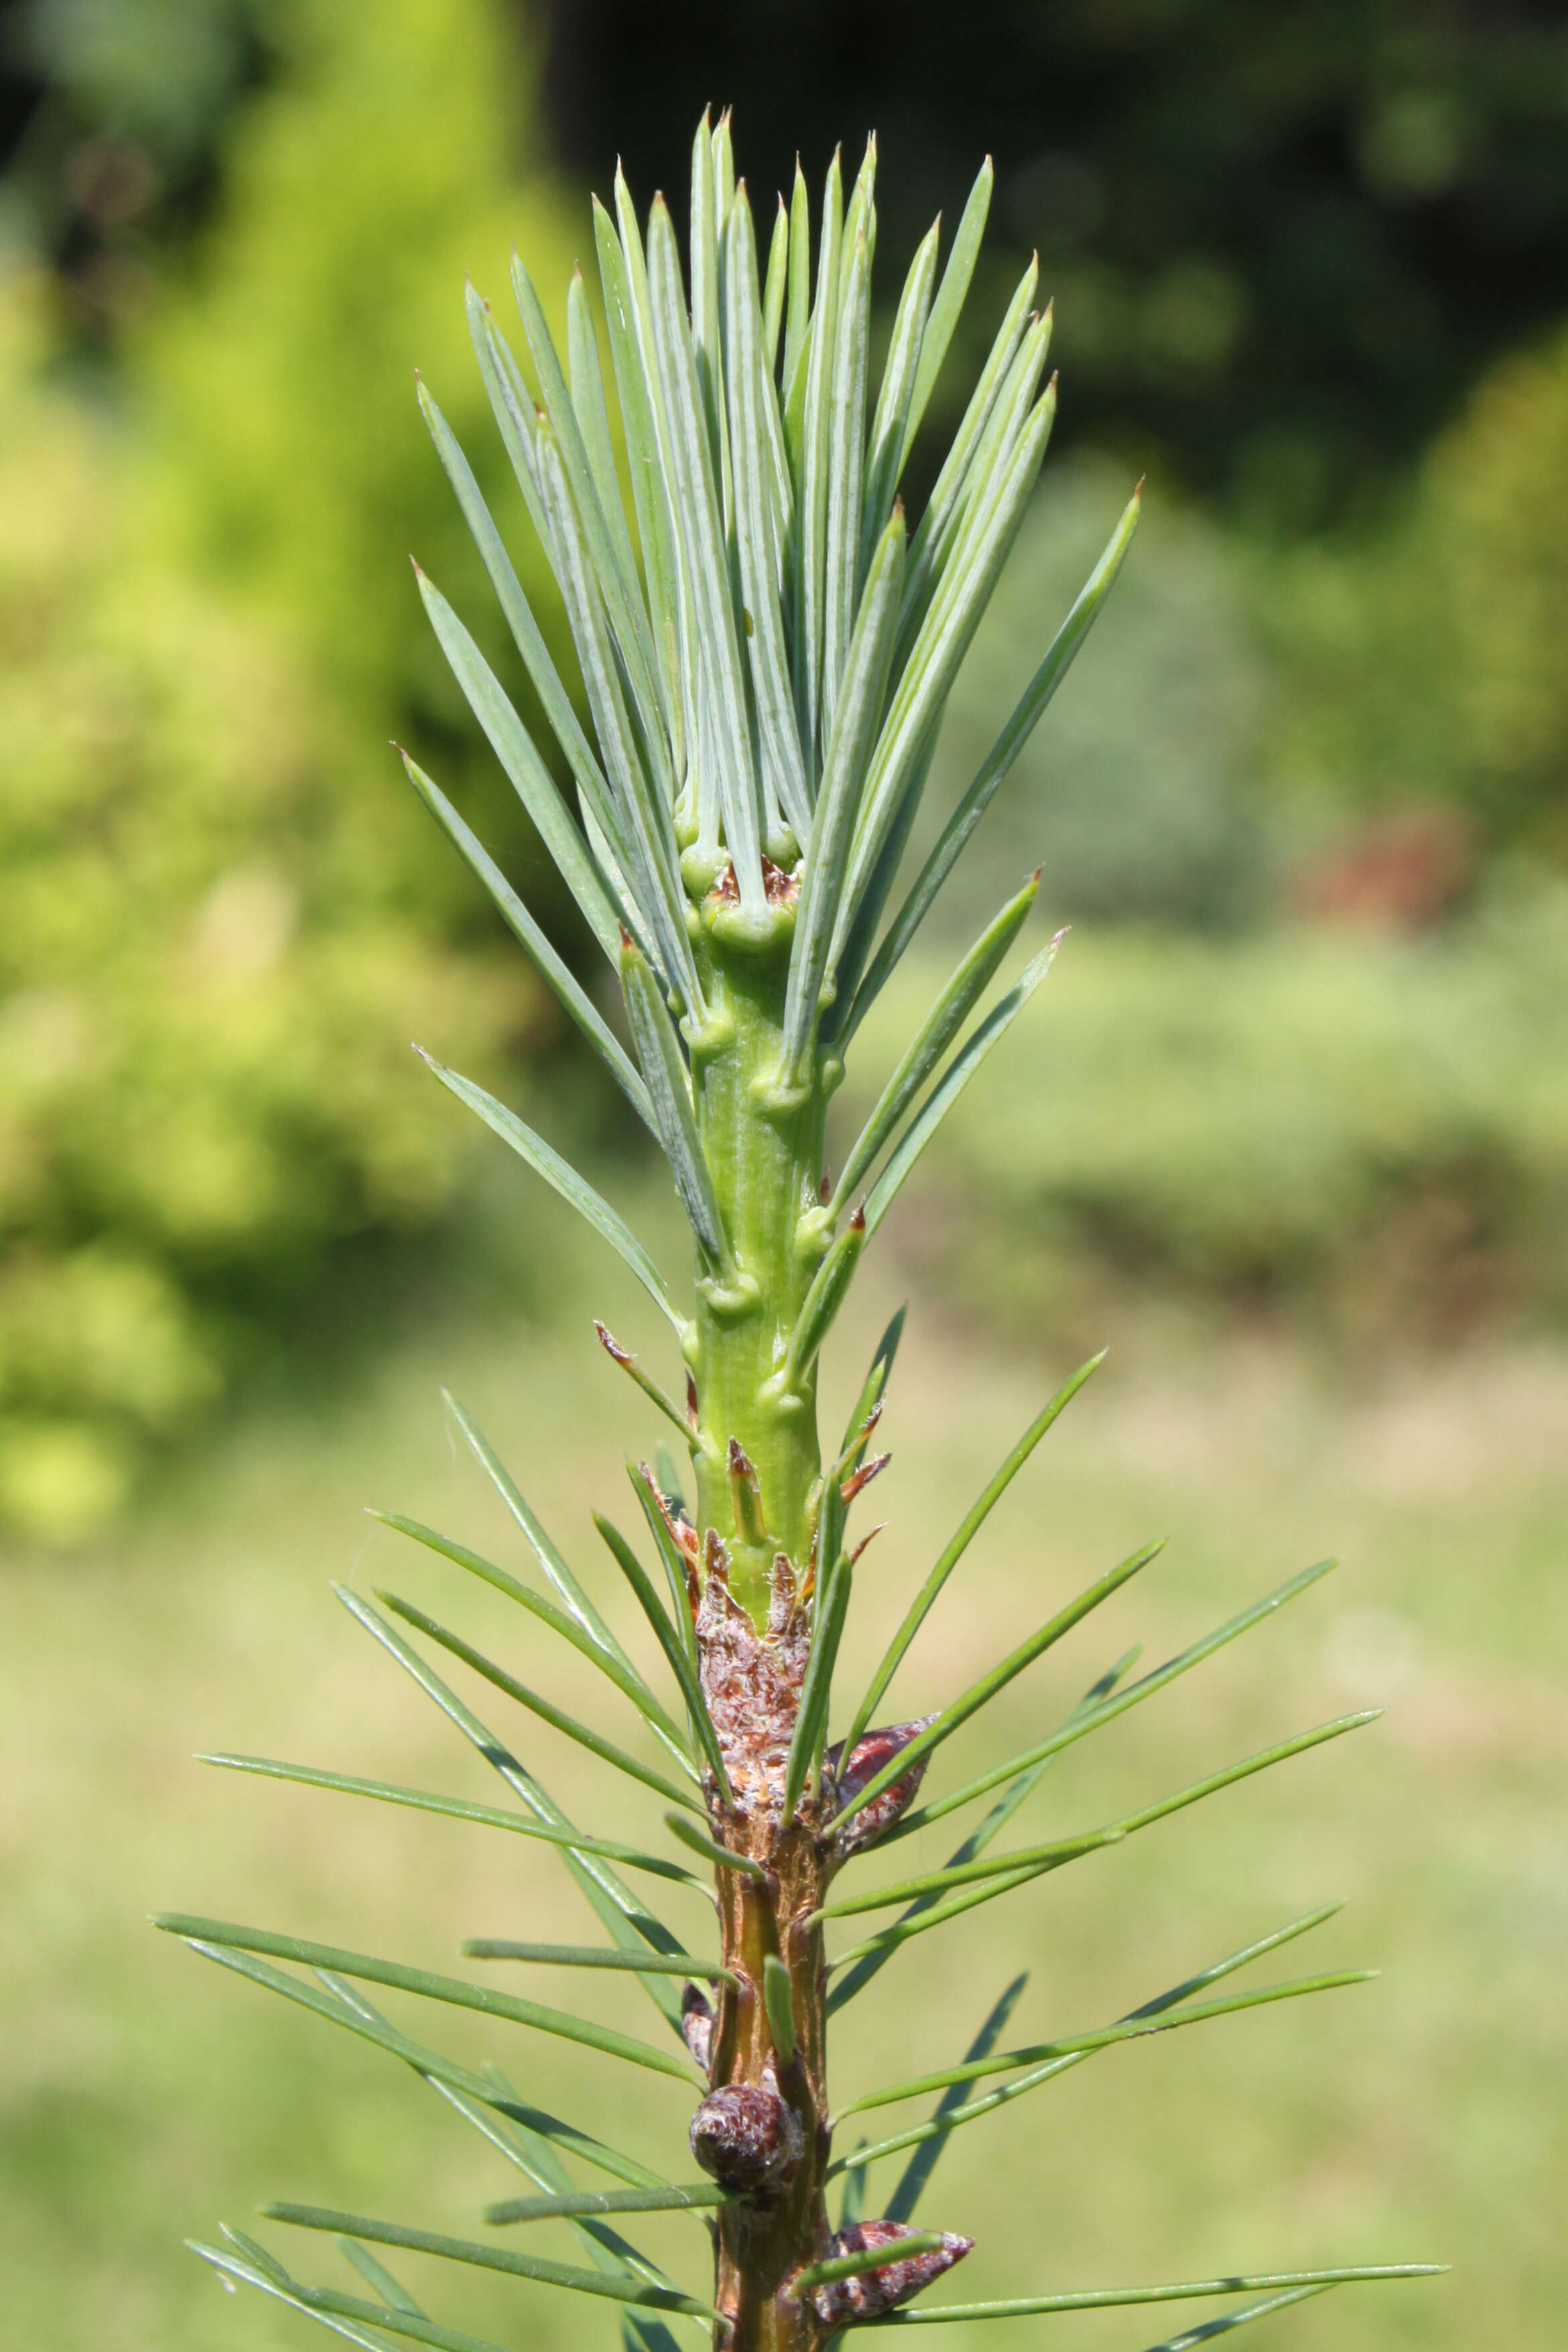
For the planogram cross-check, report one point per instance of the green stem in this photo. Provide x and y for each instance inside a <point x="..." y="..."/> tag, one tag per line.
<point x="760" y="1488"/>
<point x="765" y="1157"/>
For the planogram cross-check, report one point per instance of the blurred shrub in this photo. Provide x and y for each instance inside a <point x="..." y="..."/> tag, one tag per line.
<point x="1370" y="1134"/>
<point x="208" y="976"/>
<point x="1134" y="791"/>
<point x="1500" y="484"/>
<point x="1279" y="236"/>
<point x="1428" y="663"/>
<point x="1364" y="640"/>
<point x="385" y="164"/>
<point x="224" y="914"/>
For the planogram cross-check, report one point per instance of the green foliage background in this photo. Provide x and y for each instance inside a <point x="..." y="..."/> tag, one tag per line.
<point x="226" y="918"/>
<point x="1363" y="1138"/>
<point x="1426" y="658"/>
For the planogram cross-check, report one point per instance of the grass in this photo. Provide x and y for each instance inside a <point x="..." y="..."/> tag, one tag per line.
<point x="143" y="2095"/>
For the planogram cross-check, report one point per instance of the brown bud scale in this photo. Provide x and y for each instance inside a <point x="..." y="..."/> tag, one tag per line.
<point x="746" y="2138"/>
<point x="839" y="2303"/>
<point x="861" y="1479"/>
<point x="752" y="1682"/>
<point x="697" y="2025"/>
<point x="876" y="1749"/>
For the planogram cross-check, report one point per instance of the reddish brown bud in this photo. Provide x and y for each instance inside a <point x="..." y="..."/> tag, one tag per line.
<point x="870" y="1755"/>
<point x="680" y="1532"/>
<point x="863" y="1477"/>
<point x="839" y="2303"/>
<point x="612" y="1346"/>
<point x="826" y="1188"/>
<point x="746" y="2138"/>
<point x="691" y="1400"/>
<point x="696" y="2024"/>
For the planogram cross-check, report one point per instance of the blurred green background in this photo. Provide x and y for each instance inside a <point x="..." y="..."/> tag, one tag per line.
<point x="1290" y="1124"/>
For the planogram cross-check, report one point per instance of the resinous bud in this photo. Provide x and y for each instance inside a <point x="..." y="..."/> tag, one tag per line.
<point x="866" y="1759"/>
<point x="839" y="2303"/>
<point x="745" y="2136"/>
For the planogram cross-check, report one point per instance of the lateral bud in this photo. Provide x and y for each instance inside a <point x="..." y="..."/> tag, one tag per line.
<point x="745" y="2136"/>
<point x="866" y="1759"/>
<point x="839" y="2303"/>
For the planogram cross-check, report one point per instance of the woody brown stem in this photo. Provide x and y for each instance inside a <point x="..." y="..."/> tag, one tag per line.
<point x="766" y="2238"/>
